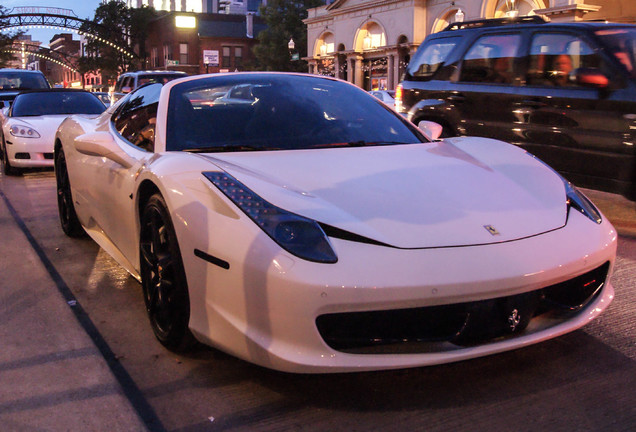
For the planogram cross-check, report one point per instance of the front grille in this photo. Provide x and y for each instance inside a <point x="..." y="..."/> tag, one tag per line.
<point x="461" y="324"/>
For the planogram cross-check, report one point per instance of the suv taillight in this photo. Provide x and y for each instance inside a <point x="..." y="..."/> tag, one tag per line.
<point x="398" y="98"/>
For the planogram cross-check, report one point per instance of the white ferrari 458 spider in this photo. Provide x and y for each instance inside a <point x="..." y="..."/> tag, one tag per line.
<point x="296" y="222"/>
<point x="28" y="127"/>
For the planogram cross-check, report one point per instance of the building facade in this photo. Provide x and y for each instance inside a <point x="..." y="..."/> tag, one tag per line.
<point x="200" y="6"/>
<point x="203" y="43"/>
<point x="57" y="74"/>
<point x="369" y="42"/>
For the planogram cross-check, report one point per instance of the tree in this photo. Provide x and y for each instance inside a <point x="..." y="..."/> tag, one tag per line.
<point x="116" y="23"/>
<point x="284" y="20"/>
<point x="6" y="40"/>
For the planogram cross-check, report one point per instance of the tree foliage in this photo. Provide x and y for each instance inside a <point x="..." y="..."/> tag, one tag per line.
<point x="121" y="26"/>
<point x="6" y="40"/>
<point x="284" y="19"/>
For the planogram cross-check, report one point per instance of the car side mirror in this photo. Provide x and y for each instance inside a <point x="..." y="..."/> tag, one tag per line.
<point x="126" y="89"/>
<point x="102" y="144"/>
<point x="431" y="130"/>
<point x="590" y="77"/>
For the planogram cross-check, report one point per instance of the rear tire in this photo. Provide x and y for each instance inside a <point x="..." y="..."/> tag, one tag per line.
<point x="65" y="207"/>
<point x="163" y="277"/>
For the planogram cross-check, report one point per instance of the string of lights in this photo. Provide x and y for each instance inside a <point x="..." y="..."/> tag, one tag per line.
<point x="79" y="32"/>
<point x="47" y="58"/>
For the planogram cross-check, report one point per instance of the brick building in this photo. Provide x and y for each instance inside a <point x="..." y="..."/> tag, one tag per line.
<point x="178" y="41"/>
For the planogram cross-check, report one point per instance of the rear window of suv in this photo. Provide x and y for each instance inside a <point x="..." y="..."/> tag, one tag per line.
<point x="22" y="81"/>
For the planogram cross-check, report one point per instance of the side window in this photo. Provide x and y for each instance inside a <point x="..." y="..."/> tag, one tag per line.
<point x="120" y="83"/>
<point x="553" y="56"/>
<point x="491" y="59"/>
<point x="430" y="57"/>
<point x="135" y="119"/>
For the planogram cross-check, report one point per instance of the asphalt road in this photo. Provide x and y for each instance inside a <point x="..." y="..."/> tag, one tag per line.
<point x="584" y="381"/>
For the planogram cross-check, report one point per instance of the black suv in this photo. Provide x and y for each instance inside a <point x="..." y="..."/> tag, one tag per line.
<point x="13" y="81"/>
<point x="566" y="92"/>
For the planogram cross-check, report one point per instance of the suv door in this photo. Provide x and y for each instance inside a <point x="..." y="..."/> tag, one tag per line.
<point x="487" y="86"/>
<point x="576" y="127"/>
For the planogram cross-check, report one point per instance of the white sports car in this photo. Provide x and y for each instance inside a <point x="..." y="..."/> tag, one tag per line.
<point x="29" y="125"/>
<point x="315" y="230"/>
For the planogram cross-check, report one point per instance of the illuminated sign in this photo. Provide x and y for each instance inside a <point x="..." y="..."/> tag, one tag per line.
<point x="183" y="21"/>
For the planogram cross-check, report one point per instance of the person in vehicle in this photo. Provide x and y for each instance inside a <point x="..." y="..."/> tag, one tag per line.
<point x="562" y="67"/>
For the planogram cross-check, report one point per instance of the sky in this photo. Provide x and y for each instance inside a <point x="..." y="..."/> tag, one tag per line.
<point x="82" y="8"/>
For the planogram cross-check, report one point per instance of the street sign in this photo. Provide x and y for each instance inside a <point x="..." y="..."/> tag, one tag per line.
<point x="172" y="62"/>
<point x="211" y="57"/>
<point x="295" y="56"/>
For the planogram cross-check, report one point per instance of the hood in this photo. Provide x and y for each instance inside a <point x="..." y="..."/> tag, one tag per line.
<point x="45" y="125"/>
<point x="457" y="192"/>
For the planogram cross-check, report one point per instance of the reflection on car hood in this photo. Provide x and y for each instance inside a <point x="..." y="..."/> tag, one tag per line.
<point x="462" y="191"/>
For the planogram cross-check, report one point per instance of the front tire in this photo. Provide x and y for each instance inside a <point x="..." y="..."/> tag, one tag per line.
<point x="163" y="277"/>
<point x="7" y="169"/>
<point x="65" y="207"/>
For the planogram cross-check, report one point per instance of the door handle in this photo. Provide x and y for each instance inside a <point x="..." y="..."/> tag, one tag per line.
<point x="456" y="98"/>
<point x="531" y="104"/>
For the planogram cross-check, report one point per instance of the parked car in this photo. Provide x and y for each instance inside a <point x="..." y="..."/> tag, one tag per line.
<point x="129" y="81"/>
<point x="27" y="129"/>
<point x="314" y="230"/>
<point x="566" y="92"/>
<point x="386" y="96"/>
<point x="104" y="97"/>
<point x="13" y="81"/>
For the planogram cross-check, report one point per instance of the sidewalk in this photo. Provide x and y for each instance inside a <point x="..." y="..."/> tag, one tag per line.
<point x="53" y="376"/>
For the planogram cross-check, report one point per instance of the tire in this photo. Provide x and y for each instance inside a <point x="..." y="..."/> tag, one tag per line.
<point x="65" y="207"/>
<point x="7" y="169"/>
<point x="163" y="277"/>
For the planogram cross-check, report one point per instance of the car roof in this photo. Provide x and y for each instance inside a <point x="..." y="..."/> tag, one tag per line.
<point x="13" y="70"/>
<point x="151" y="72"/>
<point x="532" y="21"/>
<point x="54" y="90"/>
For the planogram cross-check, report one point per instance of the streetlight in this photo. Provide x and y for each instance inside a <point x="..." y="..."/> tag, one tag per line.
<point x="459" y="16"/>
<point x="293" y="55"/>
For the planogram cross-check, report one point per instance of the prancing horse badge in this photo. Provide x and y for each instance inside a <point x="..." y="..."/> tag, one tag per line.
<point x="491" y="229"/>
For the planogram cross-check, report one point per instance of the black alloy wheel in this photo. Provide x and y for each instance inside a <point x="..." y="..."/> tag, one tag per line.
<point x="65" y="207"/>
<point x="163" y="277"/>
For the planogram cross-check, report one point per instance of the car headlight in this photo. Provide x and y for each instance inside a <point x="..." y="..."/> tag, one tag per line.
<point x="578" y="201"/>
<point x="23" y="132"/>
<point x="296" y="234"/>
<point x="574" y="197"/>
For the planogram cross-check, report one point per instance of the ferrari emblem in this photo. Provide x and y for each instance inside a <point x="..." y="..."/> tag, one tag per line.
<point x="514" y="319"/>
<point x="491" y="229"/>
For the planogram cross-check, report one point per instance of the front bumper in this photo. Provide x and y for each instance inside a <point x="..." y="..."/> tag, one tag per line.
<point x="29" y="152"/>
<point x="265" y="307"/>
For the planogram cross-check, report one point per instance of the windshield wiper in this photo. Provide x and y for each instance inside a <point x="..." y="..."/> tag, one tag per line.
<point x="227" y="148"/>
<point x="360" y="143"/>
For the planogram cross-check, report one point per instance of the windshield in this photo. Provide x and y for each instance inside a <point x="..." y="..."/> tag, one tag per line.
<point x="275" y="112"/>
<point x="12" y="81"/>
<point x="54" y="102"/>
<point x="621" y="42"/>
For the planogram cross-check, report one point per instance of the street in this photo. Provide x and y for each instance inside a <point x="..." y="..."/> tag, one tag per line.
<point x="584" y="381"/>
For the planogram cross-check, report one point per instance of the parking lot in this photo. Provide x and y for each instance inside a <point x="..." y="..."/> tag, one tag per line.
<point x="78" y="354"/>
